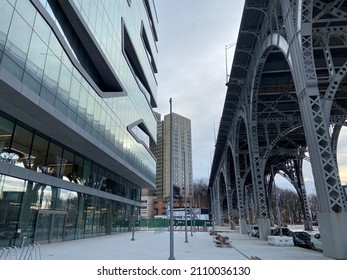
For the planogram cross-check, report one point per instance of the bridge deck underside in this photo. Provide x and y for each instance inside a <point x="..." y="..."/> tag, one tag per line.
<point x="278" y="112"/>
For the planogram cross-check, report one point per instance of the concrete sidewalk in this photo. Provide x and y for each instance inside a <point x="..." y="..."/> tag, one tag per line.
<point x="155" y="245"/>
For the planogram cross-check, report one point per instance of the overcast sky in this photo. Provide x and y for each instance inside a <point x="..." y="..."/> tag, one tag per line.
<point x="192" y="71"/>
<point x="192" y="66"/>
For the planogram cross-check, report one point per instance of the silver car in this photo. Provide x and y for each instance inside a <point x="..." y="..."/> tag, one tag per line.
<point x="316" y="242"/>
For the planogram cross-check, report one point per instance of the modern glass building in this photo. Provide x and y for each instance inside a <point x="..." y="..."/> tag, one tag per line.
<point x="77" y="88"/>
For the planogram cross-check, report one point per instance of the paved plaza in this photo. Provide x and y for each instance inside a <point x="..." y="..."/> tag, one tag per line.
<point x="155" y="245"/>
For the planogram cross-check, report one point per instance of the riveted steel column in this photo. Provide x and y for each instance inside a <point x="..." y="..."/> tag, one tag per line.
<point x="217" y="205"/>
<point x="332" y="217"/>
<point x="240" y="197"/>
<point x="229" y="192"/>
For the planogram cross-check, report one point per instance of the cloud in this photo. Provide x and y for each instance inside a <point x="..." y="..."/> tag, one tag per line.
<point x="342" y="155"/>
<point x="192" y="39"/>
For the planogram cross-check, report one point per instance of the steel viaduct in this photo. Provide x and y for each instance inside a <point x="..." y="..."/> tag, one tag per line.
<point x="286" y="98"/>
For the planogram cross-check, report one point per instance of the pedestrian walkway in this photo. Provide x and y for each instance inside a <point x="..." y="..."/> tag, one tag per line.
<point x="155" y="245"/>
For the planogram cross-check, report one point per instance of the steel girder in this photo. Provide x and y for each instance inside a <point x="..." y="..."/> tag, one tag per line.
<point x="287" y="93"/>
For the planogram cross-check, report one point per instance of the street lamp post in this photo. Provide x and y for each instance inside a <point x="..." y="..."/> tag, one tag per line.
<point x="191" y="216"/>
<point x="192" y="211"/>
<point x="171" y="191"/>
<point x="133" y="229"/>
<point x="185" y="198"/>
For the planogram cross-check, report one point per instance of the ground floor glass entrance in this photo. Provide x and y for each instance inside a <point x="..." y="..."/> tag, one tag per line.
<point x="36" y="213"/>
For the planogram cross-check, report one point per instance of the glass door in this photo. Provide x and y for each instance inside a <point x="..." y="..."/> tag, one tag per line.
<point x="50" y="226"/>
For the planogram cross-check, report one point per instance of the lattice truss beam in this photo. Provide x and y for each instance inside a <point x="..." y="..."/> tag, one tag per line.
<point x="292" y="171"/>
<point x="278" y="113"/>
<point x="264" y="85"/>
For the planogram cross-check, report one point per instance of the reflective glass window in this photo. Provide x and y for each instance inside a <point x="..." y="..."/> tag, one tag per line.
<point x="78" y="170"/>
<point x="62" y="199"/>
<point x="5" y="19"/>
<point x="55" y="46"/>
<point x="71" y="217"/>
<point x="72" y="115"/>
<point x="64" y="84"/>
<point x="101" y="178"/>
<point x="11" y="195"/>
<point x="88" y="216"/>
<point x="18" y="40"/>
<point x="31" y="83"/>
<point x="36" y="57"/>
<point x="12" y="67"/>
<point x="87" y="179"/>
<point x="47" y="198"/>
<point x="28" y="213"/>
<point x="39" y="153"/>
<point x="67" y="62"/>
<point x="90" y="110"/>
<point x="54" y="159"/>
<point x="6" y="130"/>
<point x="80" y="122"/>
<point x="13" y="188"/>
<point x="51" y="72"/>
<point x="97" y="230"/>
<point x="88" y="128"/>
<point x="21" y="145"/>
<point x="67" y="165"/>
<point x="27" y="11"/>
<point x="74" y="94"/>
<point x="61" y="106"/>
<point x="83" y="102"/>
<point x="95" y="175"/>
<point x="58" y="224"/>
<point x="96" y="117"/>
<point x="42" y="28"/>
<point x="47" y="95"/>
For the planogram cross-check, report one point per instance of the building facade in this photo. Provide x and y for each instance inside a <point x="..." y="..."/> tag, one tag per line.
<point x="155" y="201"/>
<point x="77" y="88"/>
<point x="158" y="151"/>
<point x="182" y="166"/>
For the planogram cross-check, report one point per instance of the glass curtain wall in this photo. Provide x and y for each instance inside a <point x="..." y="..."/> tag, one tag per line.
<point x="22" y="146"/>
<point x="32" y="54"/>
<point x="32" y="212"/>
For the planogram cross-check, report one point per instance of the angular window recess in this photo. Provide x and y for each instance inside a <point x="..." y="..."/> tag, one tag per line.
<point x="141" y="133"/>
<point x="135" y="65"/>
<point x="150" y="16"/>
<point x="148" y="49"/>
<point x="86" y="48"/>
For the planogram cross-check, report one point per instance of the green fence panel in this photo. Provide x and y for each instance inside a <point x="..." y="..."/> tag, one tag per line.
<point x="155" y="223"/>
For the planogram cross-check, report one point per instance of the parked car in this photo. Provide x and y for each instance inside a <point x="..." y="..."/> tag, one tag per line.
<point x="255" y="231"/>
<point x="285" y="231"/>
<point x="301" y="239"/>
<point x="316" y="242"/>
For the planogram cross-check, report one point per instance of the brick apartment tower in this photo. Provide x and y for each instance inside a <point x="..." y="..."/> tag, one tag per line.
<point x="181" y="159"/>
